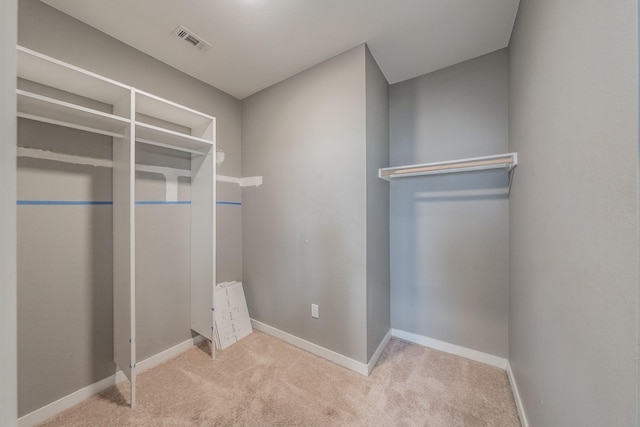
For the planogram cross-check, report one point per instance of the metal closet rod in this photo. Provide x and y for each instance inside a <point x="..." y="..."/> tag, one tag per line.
<point x="508" y="161"/>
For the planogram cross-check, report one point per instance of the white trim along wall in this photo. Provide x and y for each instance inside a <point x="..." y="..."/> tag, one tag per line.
<point x="64" y="403"/>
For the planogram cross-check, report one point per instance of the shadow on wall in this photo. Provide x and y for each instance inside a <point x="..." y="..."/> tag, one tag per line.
<point x="475" y="185"/>
<point x="448" y="261"/>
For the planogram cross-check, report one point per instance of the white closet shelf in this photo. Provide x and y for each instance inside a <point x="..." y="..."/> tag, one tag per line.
<point x="48" y="71"/>
<point x="154" y="135"/>
<point x="154" y="106"/>
<point x="50" y="110"/>
<point x="506" y="161"/>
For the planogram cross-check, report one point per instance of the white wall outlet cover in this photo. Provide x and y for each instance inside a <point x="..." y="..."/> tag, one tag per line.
<point x="314" y="311"/>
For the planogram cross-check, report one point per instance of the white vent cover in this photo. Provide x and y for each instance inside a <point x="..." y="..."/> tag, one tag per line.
<point x="191" y="38"/>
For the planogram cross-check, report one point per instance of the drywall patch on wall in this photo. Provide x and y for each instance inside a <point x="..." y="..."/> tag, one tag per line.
<point x="171" y="177"/>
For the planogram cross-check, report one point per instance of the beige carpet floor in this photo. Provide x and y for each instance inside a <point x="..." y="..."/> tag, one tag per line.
<point x="262" y="381"/>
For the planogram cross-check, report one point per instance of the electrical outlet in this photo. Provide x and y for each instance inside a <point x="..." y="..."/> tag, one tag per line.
<point x="314" y="311"/>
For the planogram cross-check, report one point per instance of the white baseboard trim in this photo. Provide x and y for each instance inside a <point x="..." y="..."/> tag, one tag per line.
<point x="478" y="356"/>
<point x="54" y="408"/>
<point x="66" y="402"/>
<point x="170" y="353"/>
<point x="378" y="352"/>
<point x="516" y="395"/>
<point x="337" y="358"/>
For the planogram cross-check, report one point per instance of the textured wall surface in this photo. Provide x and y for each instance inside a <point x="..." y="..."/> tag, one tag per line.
<point x="305" y="228"/>
<point x="573" y="231"/>
<point x="449" y="233"/>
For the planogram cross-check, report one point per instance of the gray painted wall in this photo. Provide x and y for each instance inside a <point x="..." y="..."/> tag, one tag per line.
<point x="64" y="268"/>
<point x="316" y="231"/>
<point x="449" y="233"/>
<point x="573" y="239"/>
<point x="162" y="263"/>
<point x="79" y="328"/>
<point x="8" y="316"/>
<point x="304" y="235"/>
<point x="378" y="279"/>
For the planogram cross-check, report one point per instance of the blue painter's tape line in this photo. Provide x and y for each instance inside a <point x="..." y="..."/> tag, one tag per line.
<point x="107" y="203"/>
<point x="154" y="202"/>
<point x="63" y="202"/>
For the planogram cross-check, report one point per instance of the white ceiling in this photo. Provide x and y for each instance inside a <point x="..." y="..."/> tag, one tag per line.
<point x="257" y="43"/>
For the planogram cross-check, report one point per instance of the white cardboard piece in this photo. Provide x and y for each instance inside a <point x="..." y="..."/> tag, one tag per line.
<point x="232" y="315"/>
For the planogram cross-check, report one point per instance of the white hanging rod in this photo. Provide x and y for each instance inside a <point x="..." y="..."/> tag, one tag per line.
<point x="69" y="125"/>
<point x="173" y="147"/>
<point x="506" y="161"/>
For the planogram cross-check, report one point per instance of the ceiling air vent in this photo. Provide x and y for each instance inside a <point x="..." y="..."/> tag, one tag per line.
<point x="191" y="38"/>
